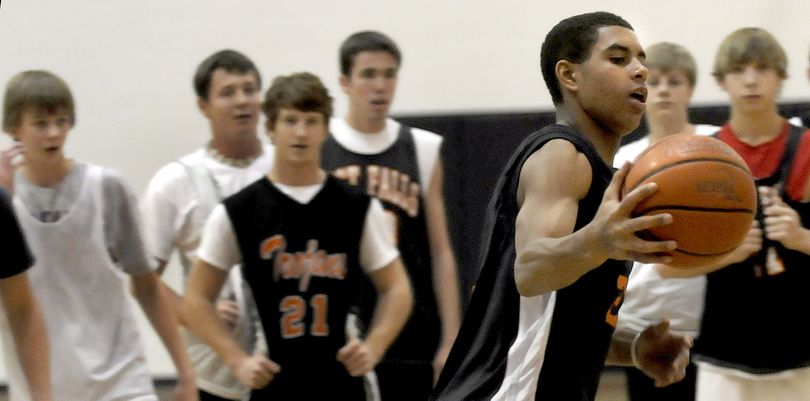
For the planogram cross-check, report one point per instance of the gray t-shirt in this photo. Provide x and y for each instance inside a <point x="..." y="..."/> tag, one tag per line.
<point x="122" y="228"/>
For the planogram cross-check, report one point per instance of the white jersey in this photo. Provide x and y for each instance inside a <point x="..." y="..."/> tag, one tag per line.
<point x="177" y="203"/>
<point x="428" y="144"/>
<point x="95" y="349"/>
<point x="649" y="298"/>
<point x="631" y="150"/>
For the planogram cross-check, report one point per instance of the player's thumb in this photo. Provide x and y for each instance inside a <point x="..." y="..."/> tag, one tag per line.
<point x="659" y="329"/>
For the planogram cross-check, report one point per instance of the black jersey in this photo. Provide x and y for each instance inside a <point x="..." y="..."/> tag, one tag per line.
<point x="754" y="317"/>
<point x="18" y="256"/>
<point x="302" y="264"/>
<point x="393" y="177"/>
<point x="567" y="354"/>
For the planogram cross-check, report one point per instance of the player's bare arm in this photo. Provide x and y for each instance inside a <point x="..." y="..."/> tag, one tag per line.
<point x="204" y="284"/>
<point x="660" y="354"/>
<point x="394" y="303"/>
<point x="445" y="273"/>
<point x="29" y="334"/>
<point x="148" y="290"/>
<point x="550" y="255"/>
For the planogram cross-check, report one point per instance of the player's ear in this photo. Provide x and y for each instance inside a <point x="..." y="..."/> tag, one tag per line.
<point x="567" y="75"/>
<point x="202" y="104"/>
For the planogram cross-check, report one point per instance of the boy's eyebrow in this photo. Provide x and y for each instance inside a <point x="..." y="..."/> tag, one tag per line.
<point x="641" y="54"/>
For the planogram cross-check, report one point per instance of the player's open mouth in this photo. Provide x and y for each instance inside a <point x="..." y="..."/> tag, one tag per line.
<point x="640" y="95"/>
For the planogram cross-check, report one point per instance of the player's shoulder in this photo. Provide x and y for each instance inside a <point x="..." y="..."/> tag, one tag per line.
<point x="421" y="136"/>
<point x="176" y="171"/>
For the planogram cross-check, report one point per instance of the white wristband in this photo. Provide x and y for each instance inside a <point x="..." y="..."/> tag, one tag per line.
<point x="634" y="350"/>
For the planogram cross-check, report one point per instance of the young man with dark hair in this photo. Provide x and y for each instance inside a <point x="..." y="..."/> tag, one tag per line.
<point x="753" y="336"/>
<point x="400" y="166"/>
<point x="184" y="192"/>
<point x="303" y="239"/>
<point x="540" y="324"/>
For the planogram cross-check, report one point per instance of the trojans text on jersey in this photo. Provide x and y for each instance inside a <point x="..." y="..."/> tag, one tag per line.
<point x="302" y="265"/>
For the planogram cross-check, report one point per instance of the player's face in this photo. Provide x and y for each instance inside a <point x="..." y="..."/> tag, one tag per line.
<point x="371" y="84"/>
<point x="611" y="83"/>
<point x="752" y="88"/>
<point x="298" y="136"/>
<point x="669" y="93"/>
<point x="43" y="135"/>
<point x="233" y="103"/>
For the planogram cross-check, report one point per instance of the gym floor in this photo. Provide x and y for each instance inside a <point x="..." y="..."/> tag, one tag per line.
<point x="611" y="388"/>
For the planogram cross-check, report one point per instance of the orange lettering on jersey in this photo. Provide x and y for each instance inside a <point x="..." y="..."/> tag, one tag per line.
<point x="302" y="266"/>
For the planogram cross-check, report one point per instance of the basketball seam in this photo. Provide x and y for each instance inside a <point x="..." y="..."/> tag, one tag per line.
<point x="655" y="237"/>
<point x="680" y="162"/>
<point x="693" y="209"/>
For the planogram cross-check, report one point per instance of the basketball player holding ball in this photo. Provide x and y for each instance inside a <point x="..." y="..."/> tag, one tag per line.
<point x="540" y="324"/>
<point x="753" y="343"/>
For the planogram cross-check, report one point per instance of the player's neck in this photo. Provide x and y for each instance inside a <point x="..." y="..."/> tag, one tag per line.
<point x="45" y="174"/>
<point x="605" y="141"/>
<point x="663" y="127"/>
<point x="296" y="175"/>
<point x="365" y="124"/>
<point x="756" y="129"/>
<point x="242" y="146"/>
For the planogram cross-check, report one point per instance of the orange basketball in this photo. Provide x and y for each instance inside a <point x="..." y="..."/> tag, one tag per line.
<point x="706" y="187"/>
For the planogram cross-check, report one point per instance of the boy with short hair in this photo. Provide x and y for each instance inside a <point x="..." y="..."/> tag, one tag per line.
<point x="82" y="225"/>
<point x="649" y="298"/>
<point x="182" y="194"/>
<point x="401" y="166"/>
<point x="541" y="320"/>
<point x="753" y="340"/>
<point x="303" y="239"/>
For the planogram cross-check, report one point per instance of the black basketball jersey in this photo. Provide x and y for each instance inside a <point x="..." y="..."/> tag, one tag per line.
<point x="755" y="312"/>
<point x="582" y="316"/>
<point x="302" y="264"/>
<point x="393" y="177"/>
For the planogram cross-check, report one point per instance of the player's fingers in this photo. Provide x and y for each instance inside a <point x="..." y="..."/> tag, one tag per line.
<point x="635" y="197"/>
<point x="642" y="223"/>
<point x="613" y="190"/>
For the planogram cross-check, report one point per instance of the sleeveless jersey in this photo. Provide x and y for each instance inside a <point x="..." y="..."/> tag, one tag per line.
<point x="548" y="347"/>
<point x="302" y="264"/>
<point x="753" y="318"/>
<point x="94" y="343"/>
<point x="393" y="177"/>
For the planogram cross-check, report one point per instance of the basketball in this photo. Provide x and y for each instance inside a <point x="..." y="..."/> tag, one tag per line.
<point x="706" y="187"/>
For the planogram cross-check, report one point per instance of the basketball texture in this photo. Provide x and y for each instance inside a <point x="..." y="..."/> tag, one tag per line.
<point x="706" y="187"/>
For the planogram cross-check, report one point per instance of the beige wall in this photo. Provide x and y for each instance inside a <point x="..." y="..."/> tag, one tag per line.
<point x="130" y="63"/>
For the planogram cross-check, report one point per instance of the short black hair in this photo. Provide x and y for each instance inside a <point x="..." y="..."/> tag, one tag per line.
<point x="572" y="39"/>
<point x="366" y="41"/>
<point x="229" y="60"/>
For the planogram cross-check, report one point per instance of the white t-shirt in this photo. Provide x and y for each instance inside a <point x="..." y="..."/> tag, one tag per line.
<point x="428" y="144"/>
<point x="649" y="298"/>
<point x="629" y="151"/>
<point x="174" y="215"/>
<point x="220" y="248"/>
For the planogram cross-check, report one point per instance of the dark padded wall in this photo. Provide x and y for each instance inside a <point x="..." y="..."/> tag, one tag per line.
<point x="476" y="147"/>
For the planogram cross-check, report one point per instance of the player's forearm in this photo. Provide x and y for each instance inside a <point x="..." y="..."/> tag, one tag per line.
<point x="548" y="264"/>
<point x="31" y="342"/>
<point x="445" y="286"/>
<point x="392" y="311"/>
<point x="619" y="350"/>
<point x="204" y="322"/>
<point x="157" y="306"/>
